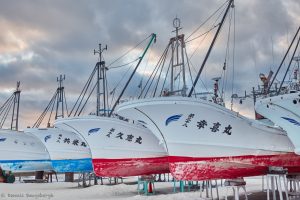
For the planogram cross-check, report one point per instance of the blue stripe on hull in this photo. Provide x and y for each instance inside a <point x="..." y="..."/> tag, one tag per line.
<point x="74" y="165"/>
<point x="25" y="165"/>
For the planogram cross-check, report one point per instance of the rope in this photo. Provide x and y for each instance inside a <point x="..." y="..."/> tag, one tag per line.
<point x="128" y="51"/>
<point x="227" y="55"/>
<point x="233" y="58"/>
<point x="207" y="20"/>
<point x="124" y="64"/>
<point x="156" y="66"/>
<point x="206" y="34"/>
<point x="202" y="34"/>
<point x="5" y="109"/>
<point x="42" y="116"/>
<point x="66" y="103"/>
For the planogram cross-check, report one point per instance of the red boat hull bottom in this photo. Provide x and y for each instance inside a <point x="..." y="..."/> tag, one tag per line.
<point x="190" y="168"/>
<point x="130" y="166"/>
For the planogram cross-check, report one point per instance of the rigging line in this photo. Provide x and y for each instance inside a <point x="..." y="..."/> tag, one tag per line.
<point x="128" y="51"/>
<point x="201" y="82"/>
<point x="57" y="96"/>
<point x="158" y="80"/>
<point x="161" y="65"/>
<point x="156" y="70"/>
<point x="273" y="59"/>
<point x="139" y="87"/>
<point x="6" y="101"/>
<point x="178" y="84"/>
<point x="112" y="93"/>
<point x="52" y="101"/>
<point x="196" y="49"/>
<point x="206" y="35"/>
<point x="41" y="117"/>
<point x="66" y="102"/>
<point x="144" y="71"/>
<point x="178" y="74"/>
<point x="188" y="63"/>
<point x="6" y="113"/>
<point x="157" y="65"/>
<point x="233" y="58"/>
<point x="282" y="61"/>
<point x="291" y="72"/>
<point x="83" y="90"/>
<point x="4" y="110"/>
<point x="211" y="47"/>
<point x="289" y="66"/>
<point x="122" y="77"/>
<point x="83" y="106"/>
<point x="124" y="64"/>
<point x="106" y="91"/>
<point x="153" y="39"/>
<point x="162" y="88"/>
<point x="207" y="19"/>
<point x="5" y="105"/>
<point x="254" y="61"/>
<point x="215" y="26"/>
<point x="223" y="73"/>
<point x="287" y="40"/>
<point x="224" y="82"/>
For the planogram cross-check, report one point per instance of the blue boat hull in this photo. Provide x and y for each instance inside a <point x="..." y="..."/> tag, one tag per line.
<point x="72" y="165"/>
<point x="25" y="165"/>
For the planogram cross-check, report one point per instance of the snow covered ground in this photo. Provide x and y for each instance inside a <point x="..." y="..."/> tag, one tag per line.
<point x="127" y="190"/>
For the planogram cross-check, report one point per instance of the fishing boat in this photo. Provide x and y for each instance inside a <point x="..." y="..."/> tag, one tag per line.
<point x="22" y="152"/>
<point x="118" y="146"/>
<point x="68" y="151"/>
<point x="281" y="105"/>
<point x="19" y="151"/>
<point x="205" y="140"/>
<point x="208" y="141"/>
<point x="283" y="110"/>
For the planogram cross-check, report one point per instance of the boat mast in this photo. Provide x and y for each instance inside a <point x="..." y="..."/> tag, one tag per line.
<point x="60" y="97"/>
<point x="288" y="68"/>
<point x="15" y="113"/>
<point x="57" y="102"/>
<point x="101" y="75"/>
<point x="230" y="4"/>
<point x="177" y="43"/>
<point x="296" y="72"/>
<point x="282" y="61"/>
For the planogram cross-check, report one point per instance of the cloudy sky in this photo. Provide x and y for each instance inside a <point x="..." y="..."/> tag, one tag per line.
<point x="39" y="40"/>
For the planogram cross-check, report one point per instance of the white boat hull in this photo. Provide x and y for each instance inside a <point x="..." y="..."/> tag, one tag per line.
<point x="207" y="141"/>
<point x="67" y="150"/>
<point x="22" y="152"/>
<point x="118" y="148"/>
<point x="284" y="111"/>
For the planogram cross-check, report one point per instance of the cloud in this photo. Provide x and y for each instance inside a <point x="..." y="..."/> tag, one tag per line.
<point x="39" y="40"/>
